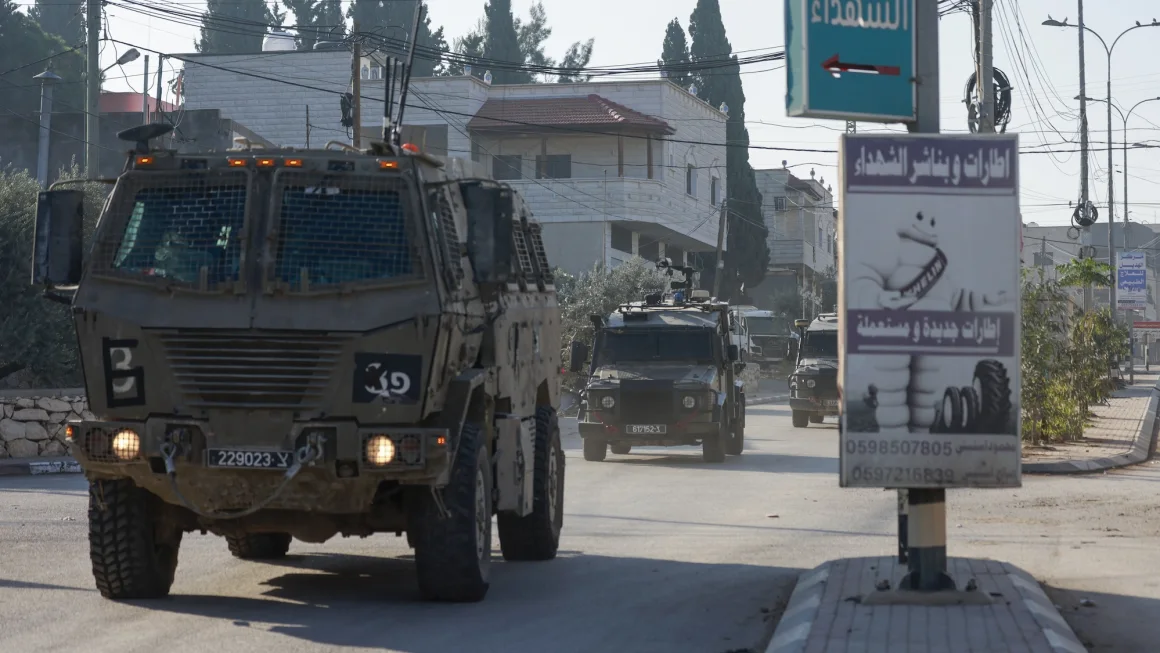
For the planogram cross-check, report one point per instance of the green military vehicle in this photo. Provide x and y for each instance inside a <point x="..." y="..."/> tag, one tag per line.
<point x="663" y="373"/>
<point x="296" y="344"/>
<point x="813" y="385"/>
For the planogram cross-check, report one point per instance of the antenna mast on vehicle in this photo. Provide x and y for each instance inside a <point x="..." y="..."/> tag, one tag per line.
<point x="392" y="126"/>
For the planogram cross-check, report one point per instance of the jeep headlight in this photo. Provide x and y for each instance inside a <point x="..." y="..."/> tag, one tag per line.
<point x="810" y="383"/>
<point x="607" y="401"/>
<point x="689" y="402"/>
<point x="380" y="450"/>
<point x="126" y="444"/>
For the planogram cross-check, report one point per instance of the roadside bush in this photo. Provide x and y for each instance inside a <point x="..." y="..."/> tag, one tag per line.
<point x="1067" y="355"/>
<point x="37" y="339"/>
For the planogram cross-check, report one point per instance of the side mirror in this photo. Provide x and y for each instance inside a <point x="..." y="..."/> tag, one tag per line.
<point x="58" y="238"/>
<point x="490" y="212"/>
<point x="579" y="356"/>
<point x="734" y="353"/>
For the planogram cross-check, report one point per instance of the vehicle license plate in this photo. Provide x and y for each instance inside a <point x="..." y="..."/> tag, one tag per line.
<point x="646" y="429"/>
<point x="234" y="458"/>
<point x="831" y="403"/>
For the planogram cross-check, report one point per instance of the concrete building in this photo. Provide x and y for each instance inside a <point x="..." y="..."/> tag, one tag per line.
<point x="1048" y="247"/>
<point x="612" y="169"/>
<point x="802" y="223"/>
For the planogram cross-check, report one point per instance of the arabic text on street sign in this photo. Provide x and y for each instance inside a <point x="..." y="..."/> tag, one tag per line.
<point x="852" y="60"/>
<point x="1131" y="281"/>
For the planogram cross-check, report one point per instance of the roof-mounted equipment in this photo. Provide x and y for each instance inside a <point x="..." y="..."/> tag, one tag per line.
<point x="142" y="134"/>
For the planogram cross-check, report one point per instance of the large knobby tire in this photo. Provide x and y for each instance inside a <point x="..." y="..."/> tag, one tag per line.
<point x="713" y="447"/>
<point x="801" y="419"/>
<point x="537" y="536"/>
<point x="817" y="418"/>
<point x="133" y="556"/>
<point x="736" y="443"/>
<point x="595" y="450"/>
<point x="259" y="546"/>
<point x="621" y="449"/>
<point x="453" y="553"/>
<point x="994" y="390"/>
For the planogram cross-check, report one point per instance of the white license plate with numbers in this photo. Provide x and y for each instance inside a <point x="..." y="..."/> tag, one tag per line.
<point x="241" y="459"/>
<point x="830" y="403"/>
<point x="646" y="429"/>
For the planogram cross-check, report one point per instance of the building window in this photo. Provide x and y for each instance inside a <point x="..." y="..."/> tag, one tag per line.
<point x="476" y="151"/>
<point x="691" y="180"/>
<point x="554" y="166"/>
<point x="820" y="237"/>
<point x="780" y="203"/>
<point x="621" y="239"/>
<point x="506" y="167"/>
<point x="649" y="248"/>
<point x="713" y="192"/>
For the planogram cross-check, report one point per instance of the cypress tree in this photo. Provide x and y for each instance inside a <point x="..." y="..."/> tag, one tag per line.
<point x="234" y="26"/>
<point x="675" y="55"/>
<point x="747" y="257"/>
<point x="63" y="18"/>
<point x="501" y="43"/>
<point x="390" y="22"/>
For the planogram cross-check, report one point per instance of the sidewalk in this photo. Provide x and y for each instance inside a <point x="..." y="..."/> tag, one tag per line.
<point x="1120" y="434"/>
<point x="827" y="613"/>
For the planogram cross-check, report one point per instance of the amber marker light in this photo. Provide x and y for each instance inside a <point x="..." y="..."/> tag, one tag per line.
<point x="237" y="163"/>
<point x="293" y="163"/>
<point x="144" y="160"/>
<point x="388" y="165"/>
<point x="265" y="163"/>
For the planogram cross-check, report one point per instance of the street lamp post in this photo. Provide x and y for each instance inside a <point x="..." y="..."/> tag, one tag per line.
<point x="1111" y="179"/>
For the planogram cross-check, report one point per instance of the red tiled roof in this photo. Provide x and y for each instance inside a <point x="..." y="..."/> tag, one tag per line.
<point x="117" y="102"/>
<point x="531" y="114"/>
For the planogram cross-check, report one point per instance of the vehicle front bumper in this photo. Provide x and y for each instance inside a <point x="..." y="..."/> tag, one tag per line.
<point x="676" y="434"/>
<point x="339" y="480"/>
<point x="819" y="405"/>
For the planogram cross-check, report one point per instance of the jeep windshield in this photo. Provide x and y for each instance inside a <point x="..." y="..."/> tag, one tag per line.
<point x="179" y="233"/>
<point x="820" y="344"/>
<point x="765" y="326"/>
<point x="639" y="345"/>
<point x="342" y="231"/>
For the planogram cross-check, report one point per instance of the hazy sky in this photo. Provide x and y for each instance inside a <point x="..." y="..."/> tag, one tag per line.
<point x="1042" y="63"/>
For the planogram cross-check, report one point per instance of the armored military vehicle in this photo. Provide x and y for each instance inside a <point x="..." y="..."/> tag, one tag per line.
<point x="298" y="344"/>
<point x="813" y="385"/>
<point x="663" y="372"/>
<point x="769" y="337"/>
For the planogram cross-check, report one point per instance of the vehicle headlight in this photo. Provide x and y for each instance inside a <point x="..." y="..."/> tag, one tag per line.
<point x="380" y="450"/>
<point x="810" y="383"/>
<point x="126" y="444"/>
<point x="607" y="401"/>
<point x="689" y="402"/>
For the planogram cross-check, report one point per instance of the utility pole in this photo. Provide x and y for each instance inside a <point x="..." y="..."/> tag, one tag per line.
<point x="985" y="76"/>
<point x="356" y="76"/>
<point x="926" y="508"/>
<point x="92" y="87"/>
<point x="46" y="80"/>
<point x="1086" y="236"/>
<point x="721" y="227"/>
<point x="145" y="95"/>
<point x="1111" y="200"/>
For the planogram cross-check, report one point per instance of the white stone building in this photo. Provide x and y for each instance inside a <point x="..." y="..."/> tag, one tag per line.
<point x="612" y="169"/>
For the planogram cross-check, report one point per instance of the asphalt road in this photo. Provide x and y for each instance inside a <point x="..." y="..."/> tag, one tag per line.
<point x="660" y="553"/>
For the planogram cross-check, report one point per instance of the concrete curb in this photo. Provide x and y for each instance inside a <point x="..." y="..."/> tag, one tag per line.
<point x="793" y="631"/>
<point x="1059" y="634"/>
<point x="39" y="466"/>
<point x="1141" y="450"/>
<point x="765" y="399"/>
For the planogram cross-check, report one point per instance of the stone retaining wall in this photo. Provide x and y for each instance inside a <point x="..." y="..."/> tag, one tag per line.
<point x="33" y="426"/>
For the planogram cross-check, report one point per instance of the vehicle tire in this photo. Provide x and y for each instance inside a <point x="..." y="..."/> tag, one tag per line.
<point x="620" y="449"/>
<point x="595" y="450"/>
<point x="259" y="546"/>
<point x="453" y="554"/>
<point x="131" y="557"/>
<point x="994" y="390"/>
<point x="736" y="443"/>
<point x="950" y="415"/>
<point x="970" y="409"/>
<point x="713" y="447"/>
<point x="817" y="418"/>
<point x="801" y="419"/>
<point x="537" y="536"/>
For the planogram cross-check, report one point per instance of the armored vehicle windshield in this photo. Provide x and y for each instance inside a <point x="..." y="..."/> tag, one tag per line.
<point x="820" y="344"/>
<point x="655" y="344"/>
